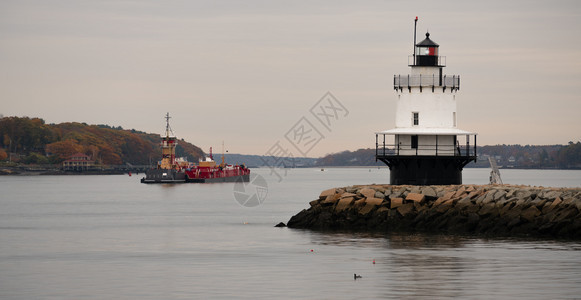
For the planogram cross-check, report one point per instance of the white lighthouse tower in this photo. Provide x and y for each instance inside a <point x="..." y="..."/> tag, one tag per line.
<point x="426" y="147"/>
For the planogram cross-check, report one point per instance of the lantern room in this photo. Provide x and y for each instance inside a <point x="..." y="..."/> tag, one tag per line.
<point x="426" y="52"/>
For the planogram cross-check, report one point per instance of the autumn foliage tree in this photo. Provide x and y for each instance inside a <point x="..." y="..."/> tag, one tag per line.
<point x="64" y="149"/>
<point x="3" y="155"/>
<point x="24" y="134"/>
<point x="103" y="143"/>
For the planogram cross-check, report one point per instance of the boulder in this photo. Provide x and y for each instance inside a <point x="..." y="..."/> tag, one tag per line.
<point x="415" y="190"/>
<point x="382" y="209"/>
<point x="331" y="199"/>
<point x="464" y="202"/>
<point x="555" y="202"/>
<point x="281" y="224"/>
<point x="344" y="203"/>
<point x="441" y="200"/>
<point x="396" y="202"/>
<point x="546" y="208"/>
<point x="510" y="193"/>
<point x="429" y="191"/>
<point x="488" y="209"/>
<point x="405" y="209"/>
<point x="324" y="194"/>
<point x="366" y="209"/>
<point x="387" y="191"/>
<point x="530" y="213"/>
<point x="550" y="195"/>
<point x="445" y="206"/>
<point x="400" y="192"/>
<point x="301" y="220"/>
<point x="379" y="188"/>
<point x="488" y="197"/>
<point x="347" y="194"/>
<point x="373" y="201"/>
<point x="524" y="194"/>
<point x="367" y="192"/>
<point x="539" y="203"/>
<point x="511" y="213"/>
<point x="351" y="189"/>
<point x="507" y="207"/>
<point x="448" y="196"/>
<point x="460" y="192"/>
<point x="577" y="203"/>
<point x="565" y="214"/>
<point x="499" y="195"/>
<point x="419" y="198"/>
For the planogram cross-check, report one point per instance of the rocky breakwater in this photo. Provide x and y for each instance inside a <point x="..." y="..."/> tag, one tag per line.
<point x="493" y="210"/>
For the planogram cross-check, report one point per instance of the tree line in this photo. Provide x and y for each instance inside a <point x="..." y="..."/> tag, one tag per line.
<point x="507" y="156"/>
<point x="32" y="141"/>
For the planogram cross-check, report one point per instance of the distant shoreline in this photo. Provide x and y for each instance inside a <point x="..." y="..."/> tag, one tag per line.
<point x="31" y="170"/>
<point x="36" y="171"/>
<point x="385" y="167"/>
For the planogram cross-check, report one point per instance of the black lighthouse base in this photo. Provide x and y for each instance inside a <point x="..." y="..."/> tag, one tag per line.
<point x="425" y="170"/>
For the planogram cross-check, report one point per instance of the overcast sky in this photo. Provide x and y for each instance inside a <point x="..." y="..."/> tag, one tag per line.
<point x="247" y="72"/>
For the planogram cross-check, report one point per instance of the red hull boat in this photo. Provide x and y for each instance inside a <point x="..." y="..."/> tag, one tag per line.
<point x="173" y="170"/>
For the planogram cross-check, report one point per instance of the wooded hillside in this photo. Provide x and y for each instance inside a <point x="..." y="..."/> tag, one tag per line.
<point x="507" y="156"/>
<point x="34" y="141"/>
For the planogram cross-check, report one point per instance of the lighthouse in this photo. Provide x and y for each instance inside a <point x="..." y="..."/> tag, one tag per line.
<point x="426" y="147"/>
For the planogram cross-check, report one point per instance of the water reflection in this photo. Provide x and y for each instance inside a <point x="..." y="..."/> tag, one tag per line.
<point x="419" y="241"/>
<point x="395" y="240"/>
<point x="409" y="265"/>
<point x="442" y="266"/>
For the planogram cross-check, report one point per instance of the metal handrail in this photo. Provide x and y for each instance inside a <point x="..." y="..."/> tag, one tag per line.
<point x="441" y="61"/>
<point x="402" y="81"/>
<point x="443" y="150"/>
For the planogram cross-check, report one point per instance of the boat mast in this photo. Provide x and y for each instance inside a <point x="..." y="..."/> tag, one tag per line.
<point x="168" y="146"/>
<point x="167" y="127"/>
<point x="222" y="164"/>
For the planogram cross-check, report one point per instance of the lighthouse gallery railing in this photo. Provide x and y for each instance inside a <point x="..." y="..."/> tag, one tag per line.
<point x="465" y="150"/>
<point x="407" y="81"/>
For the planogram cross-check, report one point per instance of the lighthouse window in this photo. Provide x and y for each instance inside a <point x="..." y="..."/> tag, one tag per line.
<point x="431" y="51"/>
<point x="416" y="118"/>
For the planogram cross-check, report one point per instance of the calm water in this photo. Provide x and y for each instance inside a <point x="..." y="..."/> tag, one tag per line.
<point x="110" y="237"/>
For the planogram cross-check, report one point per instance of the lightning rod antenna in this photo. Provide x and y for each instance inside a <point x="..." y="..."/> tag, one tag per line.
<point x="414" y="48"/>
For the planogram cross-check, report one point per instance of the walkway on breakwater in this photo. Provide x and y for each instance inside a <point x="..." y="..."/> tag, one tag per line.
<point x="492" y="210"/>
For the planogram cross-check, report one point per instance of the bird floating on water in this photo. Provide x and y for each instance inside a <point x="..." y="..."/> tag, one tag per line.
<point x="355" y="276"/>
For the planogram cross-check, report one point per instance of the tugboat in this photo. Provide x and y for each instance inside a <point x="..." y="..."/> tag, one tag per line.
<point x="173" y="170"/>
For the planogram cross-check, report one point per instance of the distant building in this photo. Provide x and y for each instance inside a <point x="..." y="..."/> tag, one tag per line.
<point x="511" y="162"/>
<point x="77" y="162"/>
